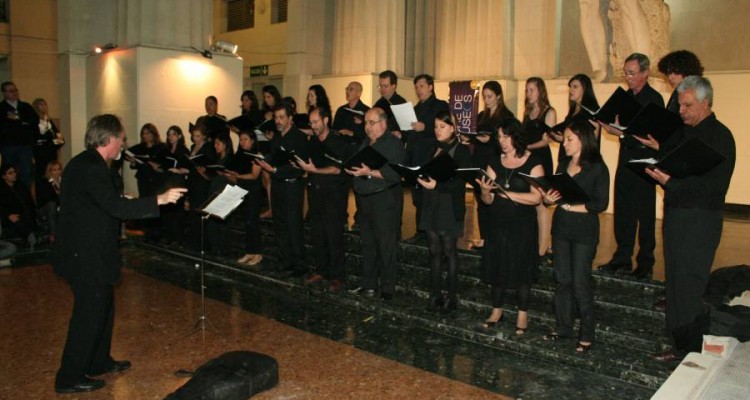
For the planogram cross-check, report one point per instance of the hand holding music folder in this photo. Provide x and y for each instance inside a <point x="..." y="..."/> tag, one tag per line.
<point x="280" y="156"/>
<point x="241" y="123"/>
<point x="472" y="175"/>
<point x="440" y="168"/>
<point x="367" y="156"/>
<point x="223" y="203"/>
<point x="132" y="157"/>
<point x="563" y="183"/>
<point x="691" y="157"/>
<point x="405" y="115"/>
<point x="621" y="105"/>
<point x="652" y="120"/>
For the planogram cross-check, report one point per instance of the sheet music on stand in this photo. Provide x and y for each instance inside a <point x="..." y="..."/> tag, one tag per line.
<point x="225" y="202"/>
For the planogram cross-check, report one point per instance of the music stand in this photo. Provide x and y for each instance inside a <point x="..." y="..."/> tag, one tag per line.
<point x="220" y="205"/>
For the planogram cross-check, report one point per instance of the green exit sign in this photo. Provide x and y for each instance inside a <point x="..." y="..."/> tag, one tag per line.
<point x="259" y="70"/>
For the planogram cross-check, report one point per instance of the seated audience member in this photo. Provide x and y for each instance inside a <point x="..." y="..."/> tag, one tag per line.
<point x="48" y="196"/>
<point x="17" y="211"/>
<point x="7" y="249"/>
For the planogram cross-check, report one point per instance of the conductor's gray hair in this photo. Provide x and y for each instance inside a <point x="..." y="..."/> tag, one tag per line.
<point x="101" y="129"/>
<point x="701" y="85"/>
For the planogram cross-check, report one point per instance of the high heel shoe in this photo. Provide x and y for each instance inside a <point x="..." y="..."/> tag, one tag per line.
<point x="520" y="331"/>
<point x="583" y="348"/>
<point x="437" y="302"/>
<point x="489" y="323"/>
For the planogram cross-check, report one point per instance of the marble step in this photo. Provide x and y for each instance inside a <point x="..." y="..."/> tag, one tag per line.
<point x="621" y="362"/>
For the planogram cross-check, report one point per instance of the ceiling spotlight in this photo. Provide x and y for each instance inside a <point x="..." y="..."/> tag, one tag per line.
<point x="227" y="47"/>
<point x="103" y="48"/>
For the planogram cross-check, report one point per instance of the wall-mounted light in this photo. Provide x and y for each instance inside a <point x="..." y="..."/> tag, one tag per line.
<point x="204" y="53"/>
<point x="106" y="47"/>
<point x="226" y="47"/>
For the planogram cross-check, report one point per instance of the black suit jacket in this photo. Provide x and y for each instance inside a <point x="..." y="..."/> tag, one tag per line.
<point x="91" y="208"/>
<point x="21" y="131"/>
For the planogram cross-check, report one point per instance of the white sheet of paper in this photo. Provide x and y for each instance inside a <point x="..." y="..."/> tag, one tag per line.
<point x="229" y="199"/>
<point x="405" y="115"/>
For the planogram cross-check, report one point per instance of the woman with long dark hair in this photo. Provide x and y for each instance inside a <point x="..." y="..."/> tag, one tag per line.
<point x="175" y="175"/>
<point x="575" y="233"/>
<point x="486" y="148"/>
<point x="510" y="256"/>
<point x="218" y="230"/>
<point x="442" y="216"/>
<point x="581" y="97"/>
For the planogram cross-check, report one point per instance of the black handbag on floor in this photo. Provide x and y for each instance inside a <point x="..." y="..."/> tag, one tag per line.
<point x="236" y="375"/>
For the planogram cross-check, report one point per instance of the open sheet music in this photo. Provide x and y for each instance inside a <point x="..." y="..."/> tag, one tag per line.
<point x="405" y="115"/>
<point x="225" y="202"/>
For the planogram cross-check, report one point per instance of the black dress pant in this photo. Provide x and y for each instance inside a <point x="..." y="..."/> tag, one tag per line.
<point x="287" y="199"/>
<point x="572" y="268"/>
<point x="328" y="201"/>
<point x="691" y="237"/>
<point x="89" y="333"/>
<point x="380" y="222"/>
<point x="635" y="211"/>
<point x="250" y="213"/>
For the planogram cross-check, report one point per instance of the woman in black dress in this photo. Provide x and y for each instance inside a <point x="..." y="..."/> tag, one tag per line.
<point x="246" y="174"/>
<point x="147" y="173"/>
<point x="218" y="230"/>
<point x="251" y="108"/>
<point x="202" y="152"/>
<point x="486" y="147"/>
<point x="442" y="217"/>
<point x="510" y="255"/>
<point x="581" y="97"/>
<point x="48" y="140"/>
<point x="271" y="97"/>
<point x="537" y="114"/>
<point x="175" y="171"/>
<point x="575" y="233"/>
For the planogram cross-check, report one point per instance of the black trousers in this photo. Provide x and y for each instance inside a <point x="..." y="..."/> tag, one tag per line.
<point x="572" y="268"/>
<point x="417" y="194"/>
<point x="380" y="222"/>
<point x="635" y="211"/>
<point x="691" y="237"/>
<point x="287" y="199"/>
<point x="250" y="213"/>
<point x="89" y="333"/>
<point x="328" y="201"/>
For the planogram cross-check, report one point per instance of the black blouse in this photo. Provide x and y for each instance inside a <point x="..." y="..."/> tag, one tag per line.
<point x="584" y="227"/>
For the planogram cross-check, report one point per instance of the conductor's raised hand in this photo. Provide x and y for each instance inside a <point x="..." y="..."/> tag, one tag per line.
<point x="170" y="196"/>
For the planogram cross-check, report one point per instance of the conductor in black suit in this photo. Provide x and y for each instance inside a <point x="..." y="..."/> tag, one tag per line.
<point x="87" y="255"/>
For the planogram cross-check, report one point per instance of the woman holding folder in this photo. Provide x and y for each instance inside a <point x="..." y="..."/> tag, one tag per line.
<point x="511" y="254"/>
<point x="442" y="216"/>
<point x="575" y="233"/>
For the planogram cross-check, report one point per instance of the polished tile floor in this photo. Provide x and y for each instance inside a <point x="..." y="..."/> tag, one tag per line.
<point x="152" y="321"/>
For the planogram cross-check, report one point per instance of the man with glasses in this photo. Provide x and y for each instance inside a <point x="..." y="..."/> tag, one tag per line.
<point x="327" y="191"/>
<point x="635" y="193"/>
<point x="19" y="126"/>
<point x="348" y="120"/>
<point x="380" y="200"/>
<point x="387" y="83"/>
<point x="87" y="254"/>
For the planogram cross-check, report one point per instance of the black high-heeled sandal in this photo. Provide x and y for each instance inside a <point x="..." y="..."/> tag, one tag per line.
<point x="583" y="348"/>
<point x="551" y="337"/>
<point x="490" y="324"/>
<point x="521" y="331"/>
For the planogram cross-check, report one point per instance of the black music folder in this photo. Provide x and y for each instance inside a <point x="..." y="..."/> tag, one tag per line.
<point x="267" y="125"/>
<point x="242" y="163"/>
<point x="471" y="175"/>
<point x="654" y="120"/>
<point x="563" y="183"/>
<point x="474" y="135"/>
<point x="691" y="157"/>
<point x="241" y="123"/>
<point x="440" y="168"/>
<point x="621" y="104"/>
<point x="368" y="156"/>
<point x="199" y="160"/>
<point x="301" y="121"/>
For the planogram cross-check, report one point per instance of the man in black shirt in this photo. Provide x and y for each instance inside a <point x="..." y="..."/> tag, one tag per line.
<point x="287" y="190"/>
<point x="380" y="201"/>
<point x="421" y="139"/>
<point x="348" y="122"/>
<point x="19" y="127"/>
<point x="635" y="193"/>
<point x="692" y="212"/>
<point x="387" y="84"/>
<point x="327" y="189"/>
<point x="213" y="122"/>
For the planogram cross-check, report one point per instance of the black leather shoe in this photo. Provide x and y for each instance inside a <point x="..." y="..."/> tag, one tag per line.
<point x="437" y="302"/>
<point x="661" y="304"/>
<point x="642" y="272"/>
<point x="116" y="366"/>
<point x="449" y="305"/>
<point x="87" y="385"/>
<point x="614" y="267"/>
